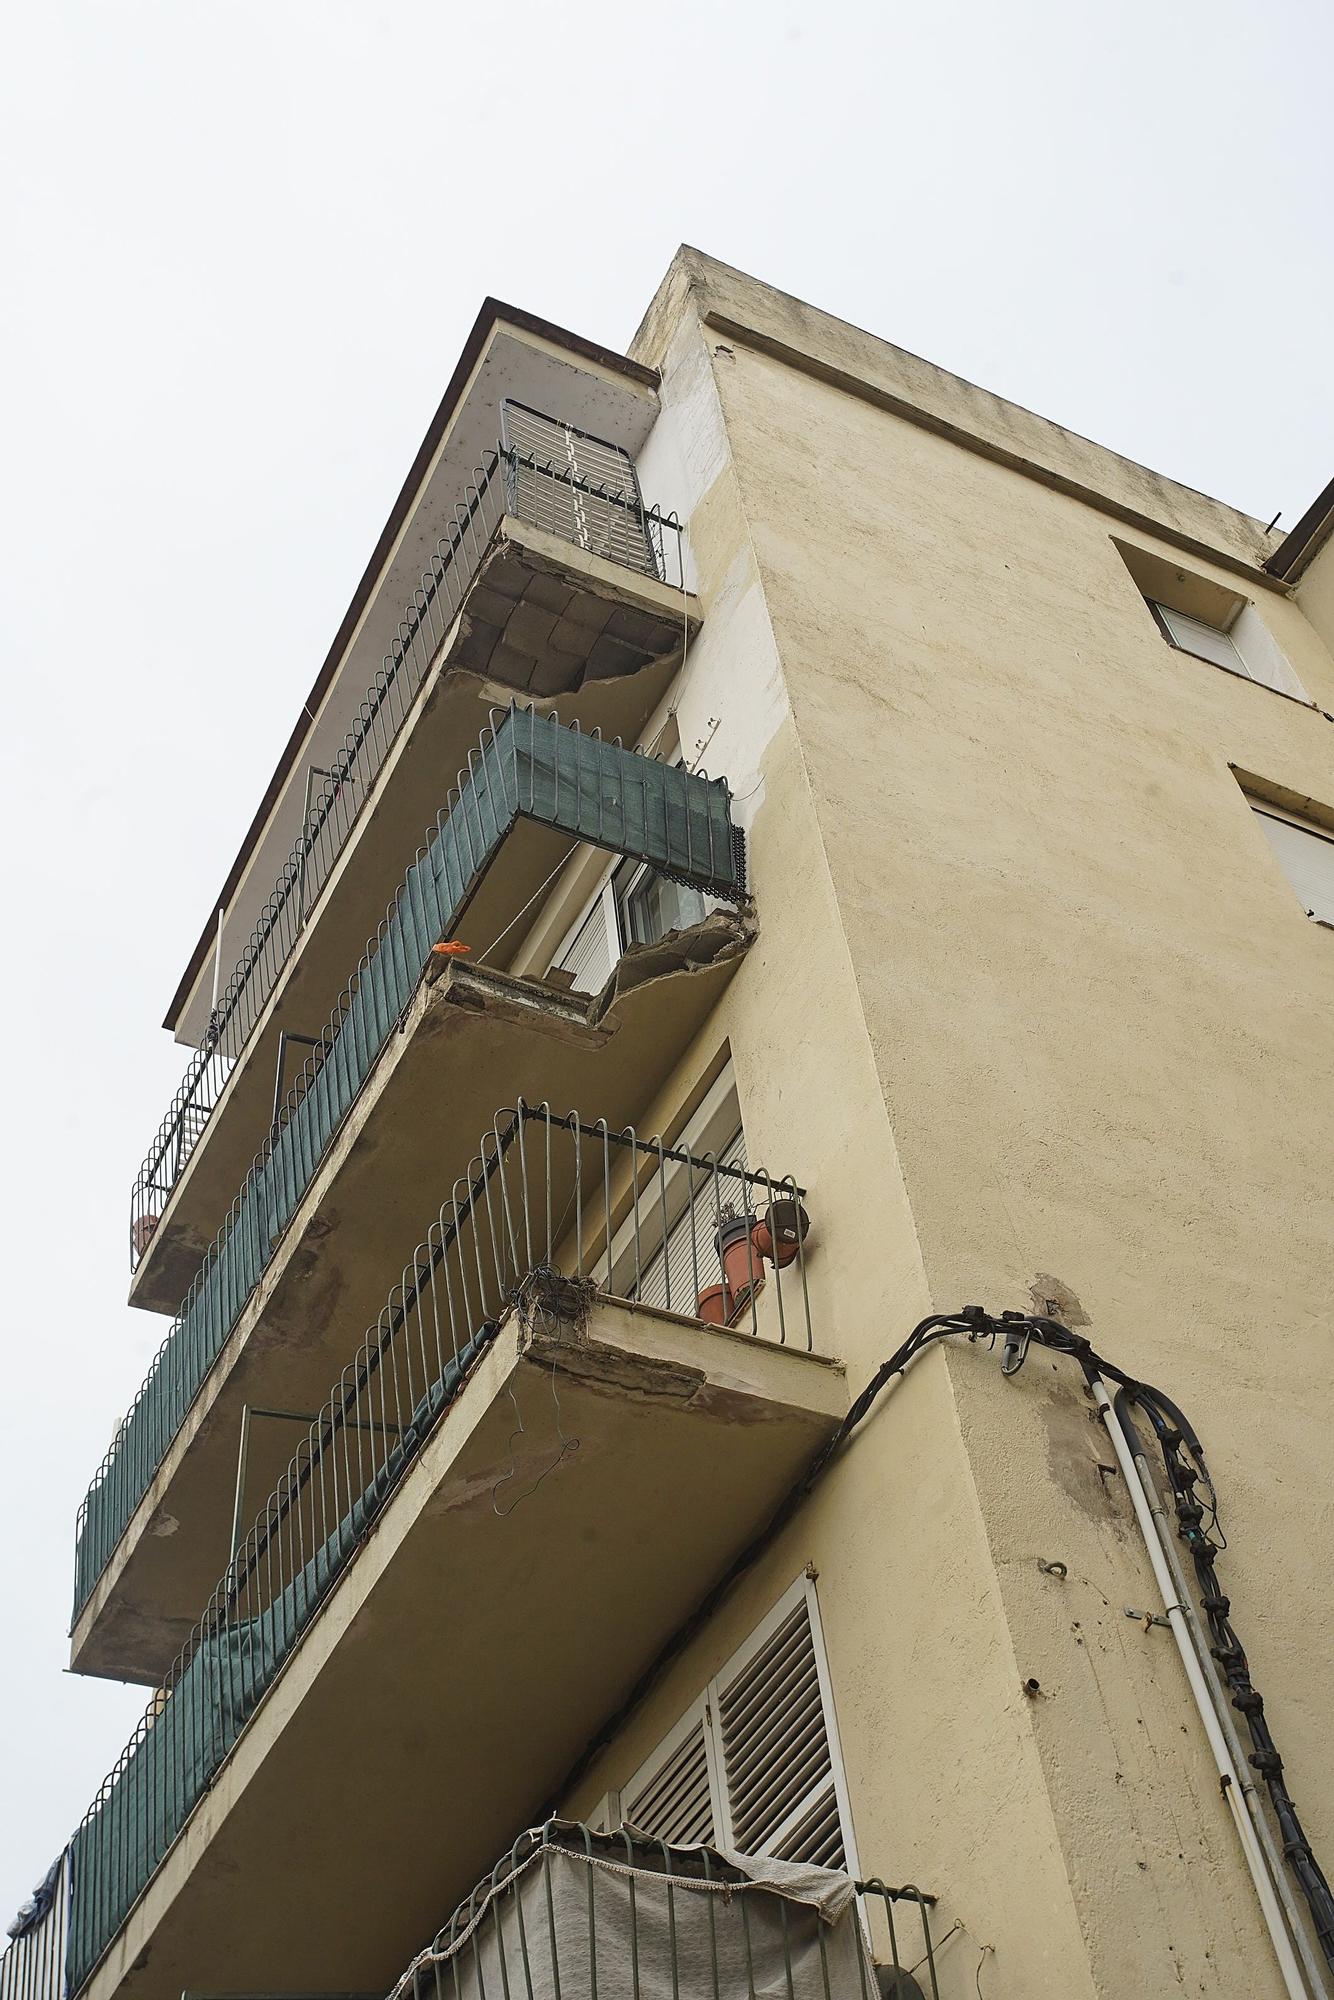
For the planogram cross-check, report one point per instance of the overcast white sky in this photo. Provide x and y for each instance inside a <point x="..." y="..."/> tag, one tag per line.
<point x="242" y="244"/>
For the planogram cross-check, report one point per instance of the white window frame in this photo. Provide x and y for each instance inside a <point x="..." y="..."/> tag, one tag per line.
<point x="1259" y="659"/>
<point x="1179" y="635"/>
<point x="707" y="1706"/>
<point x="615" y="904"/>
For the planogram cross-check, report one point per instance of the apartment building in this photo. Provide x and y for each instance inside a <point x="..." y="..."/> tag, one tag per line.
<point x="785" y="849"/>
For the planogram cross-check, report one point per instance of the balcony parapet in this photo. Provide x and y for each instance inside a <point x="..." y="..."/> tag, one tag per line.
<point x="554" y="479"/>
<point x="525" y="767"/>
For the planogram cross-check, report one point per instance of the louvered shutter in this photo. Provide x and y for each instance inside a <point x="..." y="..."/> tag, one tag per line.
<point x="579" y="486"/>
<point x="669" y="1276"/>
<point x="588" y="956"/>
<point x="754" y="1764"/>
<point x="675" y="1803"/>
<point x="777" y="1758"/>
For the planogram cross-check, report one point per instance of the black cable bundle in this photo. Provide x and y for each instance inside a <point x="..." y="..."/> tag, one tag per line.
<point x="1197" y="1524"/>
<point x="1196" y="1507"/>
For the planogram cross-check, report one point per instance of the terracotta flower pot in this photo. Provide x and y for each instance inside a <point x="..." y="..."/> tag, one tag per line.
<point x="711" y="1305"/>
<point x="741" y="1267"/>
<point x="779" y="1235"/>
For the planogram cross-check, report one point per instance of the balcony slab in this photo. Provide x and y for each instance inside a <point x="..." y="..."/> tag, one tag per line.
<point x="515" y="1587"/>
<point x="471" y="1039"/>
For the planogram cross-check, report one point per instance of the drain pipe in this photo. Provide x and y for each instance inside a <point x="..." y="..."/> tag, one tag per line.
<point x="1229" y="1777"/>
<point x="1278" y="1874"/>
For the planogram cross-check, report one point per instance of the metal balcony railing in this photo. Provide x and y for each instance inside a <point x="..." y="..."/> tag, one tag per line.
<point x="526" y="766"/>
<point x="573" y="1914"/>
<point x="35" y="1964"/>
<point x="542" y="472"/>
<point x="550" y="1212"/>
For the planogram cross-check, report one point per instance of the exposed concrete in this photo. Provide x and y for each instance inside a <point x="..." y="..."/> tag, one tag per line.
<point x="472" y="1042"/>
<point x="510" y="1592"/>
<point x="610" y="642"/>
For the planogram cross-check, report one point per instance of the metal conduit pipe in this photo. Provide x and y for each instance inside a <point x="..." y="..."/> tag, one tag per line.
<point x="1229" y="1777"/>
<point x="1278" y="1874"/>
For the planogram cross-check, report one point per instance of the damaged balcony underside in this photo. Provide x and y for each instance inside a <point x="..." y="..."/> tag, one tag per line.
<point x="602" y="639"/>
<point x="510" y="1593"/>
<point x="471" y="1037"/>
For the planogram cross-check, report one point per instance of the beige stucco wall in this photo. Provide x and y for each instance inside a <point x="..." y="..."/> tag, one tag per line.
<point x="1031" y="997"/>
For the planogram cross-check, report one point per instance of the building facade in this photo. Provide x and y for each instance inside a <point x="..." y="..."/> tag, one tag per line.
<point x="785" y="848"/>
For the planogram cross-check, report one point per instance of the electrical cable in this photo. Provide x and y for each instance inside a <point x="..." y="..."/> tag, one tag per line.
<point x="1197" y="1527"/>
<point x="1196" y="1505"/>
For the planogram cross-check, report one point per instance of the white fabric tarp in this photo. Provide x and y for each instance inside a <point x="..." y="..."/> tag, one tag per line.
<point x="566" y="1924"/>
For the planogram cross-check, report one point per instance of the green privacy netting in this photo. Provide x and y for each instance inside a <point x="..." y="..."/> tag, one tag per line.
<point x="227" y="1670"/>
<point x="527" y="766"/>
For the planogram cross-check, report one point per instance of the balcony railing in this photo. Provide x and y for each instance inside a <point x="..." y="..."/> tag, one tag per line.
<point x="526" y="767"/>
<point x="541" y="472"/>
<point x="572" y="1914"/>
<point x="550" y="1212"/>
<point x="35" y="1964"/>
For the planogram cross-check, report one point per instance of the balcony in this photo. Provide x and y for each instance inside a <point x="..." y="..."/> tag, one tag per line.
<point x="477" y="1547"/>
<point x="554" y="578"/>
<point x="410" y="1062"/>
<point x="572" y="1911"/>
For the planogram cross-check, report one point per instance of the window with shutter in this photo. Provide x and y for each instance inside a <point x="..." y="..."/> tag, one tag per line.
<point x="1243" y="646"/>
<point x="1305" y="853"/>
<point x="687" y="1262"/>
<point x="756" y="1757"/>
<point x="777" y="1756"/>
<point x="671" y="1796"/>
<point x="588" y="956"/>
<point x="1192" y="635"/>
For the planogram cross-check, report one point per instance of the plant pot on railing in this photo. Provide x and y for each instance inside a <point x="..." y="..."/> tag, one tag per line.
<point x="142" y="1233"/>
<point x="780" y="1232"/>
<point x="712" y="1305"/>
<point x="741" y="1267"/>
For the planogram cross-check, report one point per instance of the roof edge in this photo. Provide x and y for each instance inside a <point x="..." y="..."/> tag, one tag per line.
<point x="1303" y="542"/>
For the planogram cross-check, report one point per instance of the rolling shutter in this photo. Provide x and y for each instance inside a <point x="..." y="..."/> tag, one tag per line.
<point x="754" y="1764"/>
<point x="588" y="955"/>
<point x="1306" y="858"/>
<point x="668" y="1278"/>
<point x="1206" y="642"/>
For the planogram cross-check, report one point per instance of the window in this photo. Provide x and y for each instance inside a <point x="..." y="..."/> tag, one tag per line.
<point x="1242" y="646"/>
<point x="1192" y="635"/>
<point x="1305" y="853"/>
<point x="754" y="1763"/>
<point x="648" y="905"/>
<point x="671" y="1244"/>
<point x="687" y="1261"/>
<point x="635" y="905"/>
